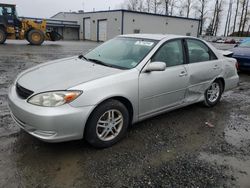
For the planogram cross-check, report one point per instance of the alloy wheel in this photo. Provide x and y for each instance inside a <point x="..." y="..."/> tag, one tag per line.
<point x="213" y="92"/>
<point x="109" y="125"/>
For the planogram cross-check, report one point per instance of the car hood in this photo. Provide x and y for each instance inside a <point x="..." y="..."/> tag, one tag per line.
<point x="239" y="51"/>
<point x="63" y="74"/>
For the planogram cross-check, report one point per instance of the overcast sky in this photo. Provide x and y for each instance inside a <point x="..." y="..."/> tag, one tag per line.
<point x="47" y="8"/>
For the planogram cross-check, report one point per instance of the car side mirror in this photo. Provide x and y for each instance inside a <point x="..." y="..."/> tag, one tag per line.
<point x="156" y="66"/>
<point x="236" y="45"/>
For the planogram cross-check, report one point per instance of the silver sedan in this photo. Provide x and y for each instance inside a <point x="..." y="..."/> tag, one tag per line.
<point x="96" y="96"/>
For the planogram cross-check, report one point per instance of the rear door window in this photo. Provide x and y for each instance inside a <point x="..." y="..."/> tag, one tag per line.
<point x="199" y="52"/>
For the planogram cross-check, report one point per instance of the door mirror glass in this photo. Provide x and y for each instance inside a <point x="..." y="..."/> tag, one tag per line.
<point x="156" y="66"/>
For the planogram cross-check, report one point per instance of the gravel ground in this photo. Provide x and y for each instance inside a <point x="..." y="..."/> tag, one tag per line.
<point x="176" y="149"/>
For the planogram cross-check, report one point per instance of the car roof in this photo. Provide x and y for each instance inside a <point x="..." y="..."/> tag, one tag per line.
<point x="155" y="36"/>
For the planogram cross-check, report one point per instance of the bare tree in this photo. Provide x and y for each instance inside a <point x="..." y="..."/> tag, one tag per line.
<point x="245" y="17"/>
<point x="188" y="6"/>
<point x="236" y="14"/>
<point x="166" y="5"/>
<point x="172" y="6"/>
<point x="218" y="16"/>
<point x="201" y="8"/>
<point x="132" y="5"/>
<point x="214" y="17"/>
<point x="156" y="6"/>
<point x="169" y="6"/>
<point x="229" y="13"/>
<point x="141" y="5"/>
<point x="184" y="7"/>
<point x="148" y="5"/>
<point x="243" y="3"/>
<point x="230" y="16"/>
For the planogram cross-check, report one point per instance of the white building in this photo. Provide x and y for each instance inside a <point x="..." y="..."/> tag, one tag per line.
<point x="104" y="25"/>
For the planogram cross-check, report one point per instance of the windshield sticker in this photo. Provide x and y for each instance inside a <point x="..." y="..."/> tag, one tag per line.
<point x="144" y="43"/>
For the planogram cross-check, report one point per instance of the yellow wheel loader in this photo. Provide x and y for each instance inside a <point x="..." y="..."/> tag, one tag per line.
<point x="12" y="27"/>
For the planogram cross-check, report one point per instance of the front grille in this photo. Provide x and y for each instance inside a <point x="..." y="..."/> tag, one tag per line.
<point x="22" y="92"/>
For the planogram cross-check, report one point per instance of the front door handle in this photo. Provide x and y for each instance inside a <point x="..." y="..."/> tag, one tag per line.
<point x="182" y="74"/>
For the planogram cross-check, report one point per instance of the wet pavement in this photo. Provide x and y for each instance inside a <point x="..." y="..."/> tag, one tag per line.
<point x="177" y="149"/>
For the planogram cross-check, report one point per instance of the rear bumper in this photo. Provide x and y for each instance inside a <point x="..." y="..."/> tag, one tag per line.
<point x="56" y="124"/>
<point x="232" y="82"/>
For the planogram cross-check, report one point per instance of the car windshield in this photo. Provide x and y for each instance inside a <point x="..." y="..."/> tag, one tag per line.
<point x="245" y="44"/>
<point x="121" y="52"/>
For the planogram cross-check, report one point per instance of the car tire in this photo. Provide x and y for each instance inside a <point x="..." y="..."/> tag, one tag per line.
<point x="3" y="36"/>
<point x="35" y="37"/>
<point x="107" y="124"/>
<point x="213" y="93"/>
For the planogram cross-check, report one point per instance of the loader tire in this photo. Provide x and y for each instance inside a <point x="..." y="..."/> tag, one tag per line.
<point x="3" y="36"/>
<point x="35" y="37"/>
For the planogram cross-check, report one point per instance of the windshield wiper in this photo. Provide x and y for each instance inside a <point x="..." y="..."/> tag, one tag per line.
<point x="83" y="57"/>
<point x="100" y="62"/>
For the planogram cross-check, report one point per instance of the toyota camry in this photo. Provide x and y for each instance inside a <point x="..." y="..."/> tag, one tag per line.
<point x="130" y="78"/>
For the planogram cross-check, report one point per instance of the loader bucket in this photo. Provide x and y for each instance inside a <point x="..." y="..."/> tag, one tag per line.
<point x="54" y="36"/>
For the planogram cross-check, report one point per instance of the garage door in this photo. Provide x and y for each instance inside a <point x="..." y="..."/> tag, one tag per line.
<point x="87" y="28"/>
<point x="102" y="31"/>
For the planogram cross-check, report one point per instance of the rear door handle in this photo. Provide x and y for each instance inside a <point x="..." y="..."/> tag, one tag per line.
<point x="182" y="74"/>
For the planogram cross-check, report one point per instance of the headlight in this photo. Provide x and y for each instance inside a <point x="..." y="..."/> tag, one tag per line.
<point x="54" y="98"/>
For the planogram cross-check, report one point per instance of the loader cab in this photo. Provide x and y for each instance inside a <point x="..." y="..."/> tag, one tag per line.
<point x="8" y="16"/>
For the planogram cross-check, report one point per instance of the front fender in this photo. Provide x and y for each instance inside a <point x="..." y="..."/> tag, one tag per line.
<point x="124" y="84"/>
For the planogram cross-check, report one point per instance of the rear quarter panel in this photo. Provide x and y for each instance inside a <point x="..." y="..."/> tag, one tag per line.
<point x="229" y="73"/>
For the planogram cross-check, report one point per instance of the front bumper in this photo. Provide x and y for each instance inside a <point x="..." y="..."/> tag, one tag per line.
<point x="57" y="124"/>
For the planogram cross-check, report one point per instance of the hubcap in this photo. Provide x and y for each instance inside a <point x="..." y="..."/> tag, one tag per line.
<point x="109" y="125"/>
<point x="36" y="37"/>
<point x="213" y="92"/>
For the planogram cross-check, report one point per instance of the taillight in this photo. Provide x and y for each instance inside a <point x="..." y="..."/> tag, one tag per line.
<point x="237" y="65"/>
